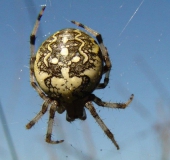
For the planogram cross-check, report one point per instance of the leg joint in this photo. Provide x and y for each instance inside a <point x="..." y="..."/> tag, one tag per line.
<point x="32" y="39"/>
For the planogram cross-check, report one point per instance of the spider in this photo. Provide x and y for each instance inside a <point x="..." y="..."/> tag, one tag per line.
<point x="66" y="69"/>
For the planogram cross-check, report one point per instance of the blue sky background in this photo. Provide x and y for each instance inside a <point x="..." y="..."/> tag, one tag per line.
<point x="137" y="36"/>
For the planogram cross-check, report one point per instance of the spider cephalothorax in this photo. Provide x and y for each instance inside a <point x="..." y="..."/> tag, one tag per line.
<point x="68" y="67"/>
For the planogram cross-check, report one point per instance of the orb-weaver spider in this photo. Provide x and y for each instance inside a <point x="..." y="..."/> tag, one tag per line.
<point x="66" y="69"/>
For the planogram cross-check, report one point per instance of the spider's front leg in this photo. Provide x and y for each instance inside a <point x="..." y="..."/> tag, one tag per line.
<point x="99" y="102"/>
<point x="52" y="111"/>
<point x="39" y="115"/>
<point x="93" y="112"/>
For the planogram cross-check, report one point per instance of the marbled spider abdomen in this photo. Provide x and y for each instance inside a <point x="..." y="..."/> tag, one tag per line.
<point x="68" y="65"/>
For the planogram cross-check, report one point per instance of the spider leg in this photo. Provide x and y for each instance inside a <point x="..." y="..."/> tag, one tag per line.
<point x="34" y="32"/>
<point x="93" y="112"/>
<point x="99" y="102"/>
<point x="39" y="115"/>
<point x="50" y="124"/>
<point x="32" y="59"/>
<point x="107" y="67"/>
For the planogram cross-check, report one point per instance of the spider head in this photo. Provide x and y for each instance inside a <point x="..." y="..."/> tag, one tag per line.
<point x="75" y="110"/>
<point x="80" y="115"/>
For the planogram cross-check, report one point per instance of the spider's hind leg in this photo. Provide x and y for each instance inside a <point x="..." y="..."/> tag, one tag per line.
<point x="105" y="55"/>
<point x="32" y="58"/>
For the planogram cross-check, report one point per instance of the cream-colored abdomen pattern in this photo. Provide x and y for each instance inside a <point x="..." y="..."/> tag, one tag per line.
<point x="68" y="65"/>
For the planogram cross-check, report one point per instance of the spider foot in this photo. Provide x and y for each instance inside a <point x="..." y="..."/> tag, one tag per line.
<point x="30" y="124"/>
<point x="48" y="140"/>
<point x="78" y="24"/>
<point x="124" y="105"/>
<point x="54" y="142"/>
